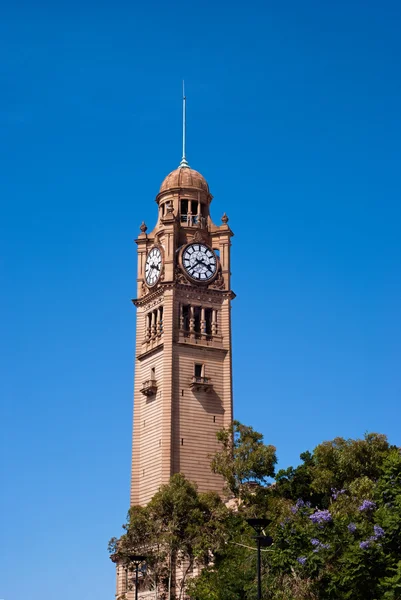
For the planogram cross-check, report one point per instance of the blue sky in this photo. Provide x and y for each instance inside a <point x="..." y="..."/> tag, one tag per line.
<point x="294" y="119"/>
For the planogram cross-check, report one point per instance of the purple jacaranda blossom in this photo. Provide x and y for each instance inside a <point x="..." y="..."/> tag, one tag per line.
<point x="302" y="560"/>
<point x="299" y="504"/>
<point x="318" y="544"/>
<point x="367" y="505"/>
<point x="321" y="516"/>
<point x="335" y="493"/>
<point x="379" y="531"/>
<point x="351" y="527"/>
<point x="364" y="545"/>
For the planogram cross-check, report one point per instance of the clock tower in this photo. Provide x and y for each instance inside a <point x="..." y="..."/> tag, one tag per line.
<point x="183" y="380"/>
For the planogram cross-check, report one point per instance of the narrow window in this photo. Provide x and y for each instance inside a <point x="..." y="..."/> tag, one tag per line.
<point x="153" y="373"/>
<point x="184" y="211"/>
<point x="185" y="317"/>
<point x="197" y="319"/>
<point x="198" y="370"/>
<point x="182" y="441"/>
<point x="194" y="212"/>
<point x="208" y="319"/>
<point x="182" y="392"/>
<point x="214" y="419"/>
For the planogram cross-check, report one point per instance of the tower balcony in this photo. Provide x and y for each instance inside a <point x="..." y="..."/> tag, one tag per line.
<point x="200" y="339"/>
<point x="149" y="387"/>
<point x="201" y="384"/>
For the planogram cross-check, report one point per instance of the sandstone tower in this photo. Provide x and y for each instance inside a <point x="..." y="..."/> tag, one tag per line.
<point x="183" y="380"/>
<point x="183" y="383"/>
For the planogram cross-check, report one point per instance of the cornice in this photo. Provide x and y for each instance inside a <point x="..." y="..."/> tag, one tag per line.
<point x="150" y="297"/>
<point x="182" y="287"/>
<point x="191" y="289"/>
<point x="150" y="352"/>
<point x="201" y="346"/>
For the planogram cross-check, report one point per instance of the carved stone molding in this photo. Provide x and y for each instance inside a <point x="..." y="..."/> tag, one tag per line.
<point x="201" y="235"/>
<point x="202" y="296"/>
<point x="193" y="292"/>
<point x="218" y="283"/>
<point x="153" y="298"/>
<point x="180" y="277"/>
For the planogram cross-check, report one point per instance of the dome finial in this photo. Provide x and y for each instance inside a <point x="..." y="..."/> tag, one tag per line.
<point x="184" y="164"/>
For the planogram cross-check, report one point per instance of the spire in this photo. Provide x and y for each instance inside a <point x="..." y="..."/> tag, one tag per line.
<point x="183" y="163"/>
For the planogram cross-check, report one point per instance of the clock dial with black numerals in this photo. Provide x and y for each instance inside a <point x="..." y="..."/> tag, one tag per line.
<point x="199" y="262"/>
<point x="153" y="266"/>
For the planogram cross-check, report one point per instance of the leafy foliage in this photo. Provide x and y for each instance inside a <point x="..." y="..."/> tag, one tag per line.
<point x="336" y="525"/>
<point x="243" y="460"/>
<point x="177" y="531"/>
<point x="335" y="522"/>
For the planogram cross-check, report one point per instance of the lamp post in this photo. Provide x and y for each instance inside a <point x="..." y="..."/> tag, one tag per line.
<point x="136" y="559"/>
<point x="262" y="541"/>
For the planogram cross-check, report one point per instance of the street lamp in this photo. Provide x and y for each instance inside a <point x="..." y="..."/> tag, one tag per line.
<point x="263" y="541"/>
<point x="136" y="559"/>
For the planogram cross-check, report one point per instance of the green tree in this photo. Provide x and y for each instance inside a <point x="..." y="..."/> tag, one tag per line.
<point x="178" y="530"/>
<point x="243" y="460"/>
<point x="336" y="523"/>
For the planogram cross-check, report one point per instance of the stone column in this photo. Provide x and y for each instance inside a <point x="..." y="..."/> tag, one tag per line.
<point x="161" y="323"/>
<point x="158" y="322"/>
<point x="214" y="322"/>
<point x="203" y="321"/>
<point x="191" y="319"/>
<point x="148" y="323"/>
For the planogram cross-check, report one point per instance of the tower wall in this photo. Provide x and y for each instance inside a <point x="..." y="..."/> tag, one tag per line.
<point x="183" y="378"/>
<point x="198" y="415"/>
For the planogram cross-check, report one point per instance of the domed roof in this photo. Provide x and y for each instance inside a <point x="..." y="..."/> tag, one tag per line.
<point x="184" y="177"/>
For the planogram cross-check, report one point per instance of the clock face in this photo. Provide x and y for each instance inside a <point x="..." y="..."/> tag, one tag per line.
<point x="153" y="266"/>
<point x="199" y="262"/>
